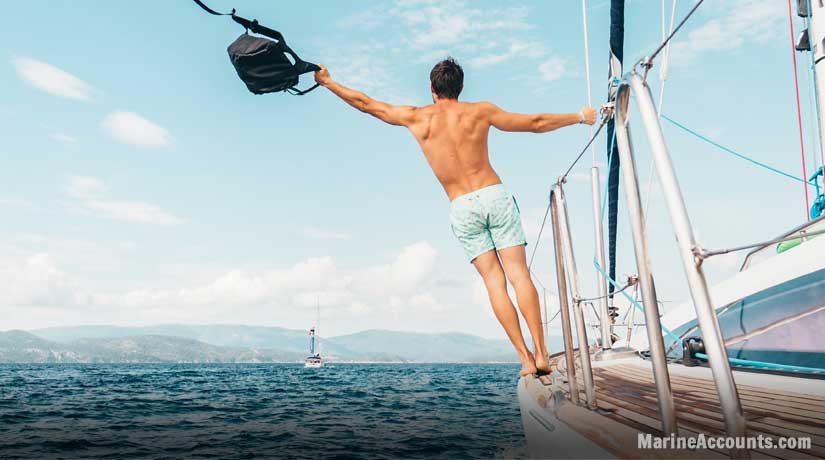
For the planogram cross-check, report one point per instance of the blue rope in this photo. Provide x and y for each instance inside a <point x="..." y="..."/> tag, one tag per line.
<point x="765" y="365"/>
<point x="746" y="158"/>
<point x="631" y="299"/>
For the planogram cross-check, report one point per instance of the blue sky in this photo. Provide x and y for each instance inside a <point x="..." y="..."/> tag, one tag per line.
<point x="143" y="184"/>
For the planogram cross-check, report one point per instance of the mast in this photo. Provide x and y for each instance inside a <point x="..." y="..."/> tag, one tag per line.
<point x="596" y="196"/>
<point x="318" y="322"/>
<point x="616" y="58"/>
<point x="312" y="341"/>
<point x="815" y="11"/>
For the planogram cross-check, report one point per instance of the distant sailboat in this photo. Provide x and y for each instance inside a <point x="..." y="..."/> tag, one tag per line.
<point x="314" y="360"/>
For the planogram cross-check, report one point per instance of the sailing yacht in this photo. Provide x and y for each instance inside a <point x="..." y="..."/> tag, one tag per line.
<point x="314" y="360"/>
<point x="735" y="371"/>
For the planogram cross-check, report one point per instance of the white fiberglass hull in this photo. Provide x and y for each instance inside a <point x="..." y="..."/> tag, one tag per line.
<point x="314" y="363"/>
<point x="548" y="437"/>
<point x="797" y="262"/>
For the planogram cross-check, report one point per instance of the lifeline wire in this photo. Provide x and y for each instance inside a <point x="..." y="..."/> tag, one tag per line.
<point x="591" y="299"/>
<point x="704" y="254"/>
<point x="631" y="299"/>
<point x="538" y="238"/>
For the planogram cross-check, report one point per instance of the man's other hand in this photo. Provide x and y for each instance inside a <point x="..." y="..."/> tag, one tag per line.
<point x="322" y="76"/>
<point x="588" y="112"/>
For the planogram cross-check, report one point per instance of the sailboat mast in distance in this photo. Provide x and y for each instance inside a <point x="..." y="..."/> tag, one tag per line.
<point x="314" y="359"/>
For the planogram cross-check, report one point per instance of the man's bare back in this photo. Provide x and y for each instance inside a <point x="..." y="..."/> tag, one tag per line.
<point x="453" y="137"/>
<point x="484" y="216"/>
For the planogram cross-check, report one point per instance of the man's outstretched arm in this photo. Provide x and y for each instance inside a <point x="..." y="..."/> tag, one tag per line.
<point x="537" y="123"/>
<point x="398" y="115"/>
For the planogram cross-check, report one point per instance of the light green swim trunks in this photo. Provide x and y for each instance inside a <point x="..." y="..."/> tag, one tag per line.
<point x="486" y="219"/>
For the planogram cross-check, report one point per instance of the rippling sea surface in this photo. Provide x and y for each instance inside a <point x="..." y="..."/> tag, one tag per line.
<point x="352" y="411"/>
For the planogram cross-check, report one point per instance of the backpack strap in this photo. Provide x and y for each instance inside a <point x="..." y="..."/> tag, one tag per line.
<point x="297" y="92"/>
<point x="211" y="11"/>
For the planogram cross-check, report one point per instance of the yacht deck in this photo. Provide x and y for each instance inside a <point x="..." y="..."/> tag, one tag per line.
<point x="626" y="394"/>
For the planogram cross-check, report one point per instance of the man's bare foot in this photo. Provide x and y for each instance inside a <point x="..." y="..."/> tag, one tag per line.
<point x="528" y="365"/>
<point x="542" y="362"/>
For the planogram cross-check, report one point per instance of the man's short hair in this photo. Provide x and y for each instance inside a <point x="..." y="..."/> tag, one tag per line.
<point x="447" y="79"/>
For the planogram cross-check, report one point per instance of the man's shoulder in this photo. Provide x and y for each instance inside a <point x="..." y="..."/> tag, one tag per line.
<point x="480" y="108"/>
<point x="473" y="104"/>
<point x="483" y="106"/>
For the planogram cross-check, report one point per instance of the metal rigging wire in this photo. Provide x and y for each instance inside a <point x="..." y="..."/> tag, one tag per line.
<point x="592" y="139"/>
<point x="649" y="59"/>
<point x="562" y="179"/>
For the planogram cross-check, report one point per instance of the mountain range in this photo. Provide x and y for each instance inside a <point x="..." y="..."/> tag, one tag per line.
<point x="225" y="343"/>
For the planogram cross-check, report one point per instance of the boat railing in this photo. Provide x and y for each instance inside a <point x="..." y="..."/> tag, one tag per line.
<point x="764" y="250"/>
<point x="567" y="276"/>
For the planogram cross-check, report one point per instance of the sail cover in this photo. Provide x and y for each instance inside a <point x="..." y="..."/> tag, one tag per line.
<point x="616" y="58"/>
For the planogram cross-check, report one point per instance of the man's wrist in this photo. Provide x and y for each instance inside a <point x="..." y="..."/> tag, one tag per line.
<point x="582" y="118"/>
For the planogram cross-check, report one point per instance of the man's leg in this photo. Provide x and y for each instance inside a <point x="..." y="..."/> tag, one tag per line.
<point x="490" y="269"/>
<point x="514" y="260"/>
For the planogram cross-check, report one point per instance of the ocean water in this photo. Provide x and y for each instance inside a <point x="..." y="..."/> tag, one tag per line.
<point x="344" y="411"/>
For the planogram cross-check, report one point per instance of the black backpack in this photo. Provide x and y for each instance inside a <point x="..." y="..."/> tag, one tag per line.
<point x="262" y="63"/>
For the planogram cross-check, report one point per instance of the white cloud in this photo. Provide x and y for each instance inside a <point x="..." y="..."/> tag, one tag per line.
<point x="51" y="79"/>
<point x="402" y="284"/>
<point x="132" y="211"/>
<point x="553" y="69"/>
<point x="324" y="234"/>
<point x="517" y="49"/>
<point x="35" y="280"/>
<point x="410" y="269"/>
<point x="455" y="23"/>
<point x="89" y="194"/>
<point x="131" y="128"/>
<point x="405" y="291"/>
<point x="85" y="187"/>
<point x="732" y="25"/>
<point x="62" y="137"/>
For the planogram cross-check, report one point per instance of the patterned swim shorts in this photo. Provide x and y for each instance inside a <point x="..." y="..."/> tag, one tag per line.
<point x="486" y="219"/>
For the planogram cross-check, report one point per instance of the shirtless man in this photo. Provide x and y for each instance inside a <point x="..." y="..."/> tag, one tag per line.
<point x="484" y="215"/>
